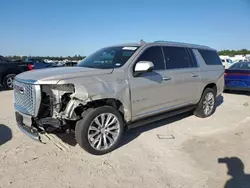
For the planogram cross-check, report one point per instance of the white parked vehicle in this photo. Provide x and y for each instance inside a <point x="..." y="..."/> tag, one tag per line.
<point x="227" y="62"/>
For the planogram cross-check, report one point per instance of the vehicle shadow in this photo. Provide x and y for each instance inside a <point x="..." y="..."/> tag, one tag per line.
<point x="220" y="100"/>
<point x="236" y="171"/>
<point x="68" y="138"/>
<point x="2" y="88"/>
<point x="129" y="135"/>
<point x="132" y="134"/>
<point x="247" y="93"/>
<point x="5" y="134"/>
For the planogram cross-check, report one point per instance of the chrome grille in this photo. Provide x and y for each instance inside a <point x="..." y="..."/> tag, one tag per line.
<point x="25" y="97"/>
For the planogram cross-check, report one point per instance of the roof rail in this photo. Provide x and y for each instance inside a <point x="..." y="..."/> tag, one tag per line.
<point x="182" y="43"/>
<point x="160" y="41"/>
<point x="163" y="41"/>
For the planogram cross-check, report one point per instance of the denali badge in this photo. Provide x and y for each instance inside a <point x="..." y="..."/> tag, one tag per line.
<point x="19" y="89"/>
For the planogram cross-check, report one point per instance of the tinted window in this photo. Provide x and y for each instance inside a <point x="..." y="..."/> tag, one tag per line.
<point x="210" y="57"/>
<point x="153" y="54"/>
<point x="177" y="58"/>
<point x="241" y="66"/>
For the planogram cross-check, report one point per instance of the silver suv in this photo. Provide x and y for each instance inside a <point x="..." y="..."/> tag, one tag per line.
<point x="118" y="87"/>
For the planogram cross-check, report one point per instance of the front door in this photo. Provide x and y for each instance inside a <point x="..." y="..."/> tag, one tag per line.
<point x="151" y="92"/>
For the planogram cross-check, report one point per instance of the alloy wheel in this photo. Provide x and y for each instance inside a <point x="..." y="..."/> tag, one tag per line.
<point x="9" y="82"/>
<point x="103" y="131"/>
<point x="208" y="103"/>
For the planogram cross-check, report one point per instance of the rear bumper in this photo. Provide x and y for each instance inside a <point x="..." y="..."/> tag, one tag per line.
<point x="29" y="130"/>
<point x="220" y="85"/>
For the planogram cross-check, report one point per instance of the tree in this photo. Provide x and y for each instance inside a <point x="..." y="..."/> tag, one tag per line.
<point x="234" y="52"/>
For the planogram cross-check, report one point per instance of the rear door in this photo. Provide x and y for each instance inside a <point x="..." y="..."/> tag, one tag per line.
<point x="185" y="74"/>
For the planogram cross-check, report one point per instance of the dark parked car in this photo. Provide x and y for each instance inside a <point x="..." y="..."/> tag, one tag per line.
<point x="9" y="69"/>
<point x="42" y="65"/>
<point x="39" y="63"/>
<point x="237" y="77"/>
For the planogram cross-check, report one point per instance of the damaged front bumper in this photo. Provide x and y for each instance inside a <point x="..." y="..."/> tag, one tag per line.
<point x="24" y="123"/>
<point x="35" y="128"/>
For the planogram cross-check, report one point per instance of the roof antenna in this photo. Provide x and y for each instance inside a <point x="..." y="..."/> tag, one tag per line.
<point x="142" y="41"/>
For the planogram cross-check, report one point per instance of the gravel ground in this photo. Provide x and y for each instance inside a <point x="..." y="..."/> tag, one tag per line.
<point x="180" y="152"/>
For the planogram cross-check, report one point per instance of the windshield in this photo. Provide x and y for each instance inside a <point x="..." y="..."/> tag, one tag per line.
<point x="106" y="58"/>
<point x="241" y="66"/>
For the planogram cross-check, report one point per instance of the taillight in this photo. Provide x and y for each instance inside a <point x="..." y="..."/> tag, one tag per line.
<point x="30" y="66"/>
<point x="225" y="74"/>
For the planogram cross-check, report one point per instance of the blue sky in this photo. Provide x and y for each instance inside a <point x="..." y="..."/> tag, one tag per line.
<point x="69" y="27"/>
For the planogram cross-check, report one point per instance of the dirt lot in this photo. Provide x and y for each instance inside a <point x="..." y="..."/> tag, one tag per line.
<point x="181" y="152"/>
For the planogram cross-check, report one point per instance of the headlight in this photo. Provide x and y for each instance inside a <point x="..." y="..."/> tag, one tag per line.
<point x="52" y="95"/>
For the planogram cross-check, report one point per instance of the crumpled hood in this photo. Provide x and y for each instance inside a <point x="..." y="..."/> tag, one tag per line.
<point x="54" y="75"/>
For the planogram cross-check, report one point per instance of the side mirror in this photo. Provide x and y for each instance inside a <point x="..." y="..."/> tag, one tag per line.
<point x="143" y="66"/>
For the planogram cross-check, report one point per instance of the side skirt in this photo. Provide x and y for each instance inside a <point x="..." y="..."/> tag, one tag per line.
<point x="160" y="117"/>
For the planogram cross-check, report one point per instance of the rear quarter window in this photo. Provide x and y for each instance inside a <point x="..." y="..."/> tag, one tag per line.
<point x="210" y="57"/>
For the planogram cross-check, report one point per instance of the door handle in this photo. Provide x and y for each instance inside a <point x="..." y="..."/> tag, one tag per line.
<point x="167" y="78"/>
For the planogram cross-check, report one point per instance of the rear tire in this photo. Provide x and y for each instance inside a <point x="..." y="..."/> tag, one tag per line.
<point x="8" y="81"/>
<point x="207" y="104"/>
<point x="107" y="135"/>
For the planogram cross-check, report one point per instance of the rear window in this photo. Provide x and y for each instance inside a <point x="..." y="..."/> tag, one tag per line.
<point x="210" y="57"/>
<point x="240" y="66"/>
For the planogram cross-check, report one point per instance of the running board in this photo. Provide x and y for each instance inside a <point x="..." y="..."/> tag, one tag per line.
<point x="158" y="117"/>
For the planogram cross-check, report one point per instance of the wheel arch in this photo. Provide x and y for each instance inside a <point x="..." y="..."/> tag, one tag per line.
<point x="212" y="86"/>
<point x="199" y="110"/>
<point x="115" y="103"/>
<point x="8" y="72"/>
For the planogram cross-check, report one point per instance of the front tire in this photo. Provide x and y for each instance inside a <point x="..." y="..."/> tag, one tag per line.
<point x="8" y="81"/>
<point x="207" y="104"/>
<point x="100" y="130"/>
